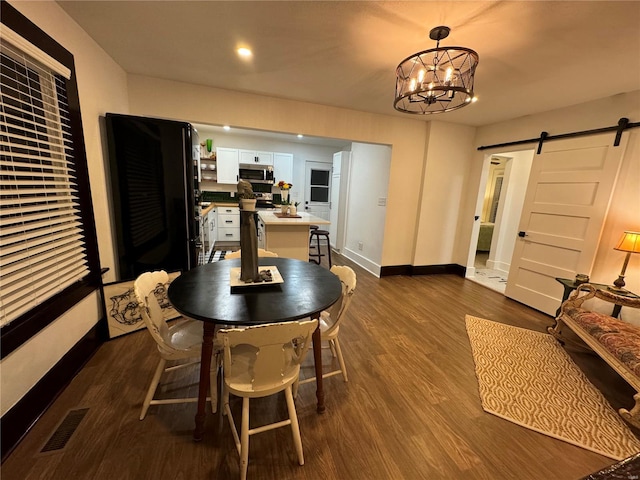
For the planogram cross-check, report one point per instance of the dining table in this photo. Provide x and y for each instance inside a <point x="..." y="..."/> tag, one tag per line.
<point x="210" y="293"/>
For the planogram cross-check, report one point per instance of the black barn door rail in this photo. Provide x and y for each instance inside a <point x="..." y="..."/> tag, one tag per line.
<point x="623" y="124"/>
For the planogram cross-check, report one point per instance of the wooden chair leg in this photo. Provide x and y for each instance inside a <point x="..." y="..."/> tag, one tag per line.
<point x="213" y="384"/>
<point x="152" y="387"/>
<point x="332" y="346"/>
<point x="244" y="439"/>
<point x="295" y="428"/>
<point x="340" y="359"/>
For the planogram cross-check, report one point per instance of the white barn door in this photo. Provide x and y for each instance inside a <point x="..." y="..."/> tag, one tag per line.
<point x="567" y="199"/>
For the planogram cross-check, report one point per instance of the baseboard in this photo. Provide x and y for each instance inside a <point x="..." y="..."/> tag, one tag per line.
<point x="449" y="269"/>
<point x="391" y="270"/>
<point x="365" y="263"/>
<point x="502" y="267"/>
<point x="15" y="424"/>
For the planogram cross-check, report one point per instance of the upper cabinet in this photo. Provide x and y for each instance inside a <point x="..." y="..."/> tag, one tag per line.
<point x="223" y="166"/>
<point x="255" y="157"/>
<point x="283" y="167"/>
<point x="227" y="160"/>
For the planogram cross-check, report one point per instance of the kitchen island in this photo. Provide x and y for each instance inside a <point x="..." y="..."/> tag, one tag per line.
<point x="288" y="237"/>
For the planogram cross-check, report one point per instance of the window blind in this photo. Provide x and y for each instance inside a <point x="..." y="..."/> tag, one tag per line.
<point x="42" y="246"/>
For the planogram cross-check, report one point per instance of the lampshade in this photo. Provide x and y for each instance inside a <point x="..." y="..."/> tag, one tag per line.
<point x="436" y="80"/>
<point x="629" y="242"/>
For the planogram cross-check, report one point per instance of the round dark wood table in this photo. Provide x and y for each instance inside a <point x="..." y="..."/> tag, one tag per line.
<point x="204" y="293"/>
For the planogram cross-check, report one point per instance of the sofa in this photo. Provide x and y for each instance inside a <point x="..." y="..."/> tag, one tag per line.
<point x="617" y="342"/>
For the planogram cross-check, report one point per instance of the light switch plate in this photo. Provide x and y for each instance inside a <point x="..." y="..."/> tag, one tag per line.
<point x="382" y="201"/>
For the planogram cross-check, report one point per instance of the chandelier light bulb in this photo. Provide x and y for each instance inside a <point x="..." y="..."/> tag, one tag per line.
<point x="447" y="76"/>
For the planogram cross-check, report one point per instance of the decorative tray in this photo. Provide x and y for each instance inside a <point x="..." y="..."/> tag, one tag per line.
<point x="234" y="277"/>
<point x="284" y="215"/>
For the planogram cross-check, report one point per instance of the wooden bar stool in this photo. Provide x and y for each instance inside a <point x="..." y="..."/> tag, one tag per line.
<point x="317" y="233"/>
<point x="312" y="228"/>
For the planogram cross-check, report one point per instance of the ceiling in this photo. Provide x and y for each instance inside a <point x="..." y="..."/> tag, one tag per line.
<point x="535" y="56"/>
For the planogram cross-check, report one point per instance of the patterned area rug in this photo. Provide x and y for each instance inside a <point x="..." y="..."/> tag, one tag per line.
<point x="527" y="378"/>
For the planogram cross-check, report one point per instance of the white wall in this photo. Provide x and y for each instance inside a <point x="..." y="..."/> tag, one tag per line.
<point x="447" y="160"/>
<point x="102" y="87"/>
<point x="509" y="209"/>
<point x="365" y="219"/>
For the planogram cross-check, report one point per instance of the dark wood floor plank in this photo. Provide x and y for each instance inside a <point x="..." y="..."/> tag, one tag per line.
<point x="411" y="409"/>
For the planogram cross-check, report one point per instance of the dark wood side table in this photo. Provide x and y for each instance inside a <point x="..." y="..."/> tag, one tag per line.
<point x="203" y="293"/>
<point x="570" y="285"/>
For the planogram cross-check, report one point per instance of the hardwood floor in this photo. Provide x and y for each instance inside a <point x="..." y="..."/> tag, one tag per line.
<point x="411" y="408"/>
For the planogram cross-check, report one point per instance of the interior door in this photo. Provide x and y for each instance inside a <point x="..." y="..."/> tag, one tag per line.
<point x="567" y="198"/>
<point x="317" y="189"/>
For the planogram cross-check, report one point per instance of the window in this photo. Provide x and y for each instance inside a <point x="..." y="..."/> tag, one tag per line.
<point x="47" y="235"/>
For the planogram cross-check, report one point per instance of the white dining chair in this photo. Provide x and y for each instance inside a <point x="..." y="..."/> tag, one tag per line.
<point x="179" y="343"/>
<point x="261" y="253"/>
<point x="331" y="319"/>
<point x="259" y="361"/>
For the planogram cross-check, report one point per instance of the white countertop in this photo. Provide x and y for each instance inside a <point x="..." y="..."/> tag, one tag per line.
<point x="269" y="218"/>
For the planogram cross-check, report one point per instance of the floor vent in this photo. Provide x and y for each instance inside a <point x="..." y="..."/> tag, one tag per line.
<point x="62" y="434"/>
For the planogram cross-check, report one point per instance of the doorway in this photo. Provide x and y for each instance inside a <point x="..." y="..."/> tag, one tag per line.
<point x="500" y="201"/>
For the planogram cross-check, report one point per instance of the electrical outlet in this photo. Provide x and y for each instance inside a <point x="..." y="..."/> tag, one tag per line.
<point x="382" y="201"/>
<point x="360" y="245"/>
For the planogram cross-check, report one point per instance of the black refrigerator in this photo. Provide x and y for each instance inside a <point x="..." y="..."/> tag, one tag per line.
<point x="154" y="194"/>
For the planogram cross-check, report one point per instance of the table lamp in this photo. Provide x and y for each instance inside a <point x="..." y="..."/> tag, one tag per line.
<point x="630" y="243"/>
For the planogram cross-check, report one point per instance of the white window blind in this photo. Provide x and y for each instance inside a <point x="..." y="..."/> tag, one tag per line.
<point x="42" y="249"/>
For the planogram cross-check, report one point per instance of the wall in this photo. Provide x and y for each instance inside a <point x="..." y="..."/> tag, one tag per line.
<point x="102" y="87"/>
<point x="624" y="211"/>
<point x="407" y="136"/>
<point x="443" y="189"/>
<point x="365" y="219"/>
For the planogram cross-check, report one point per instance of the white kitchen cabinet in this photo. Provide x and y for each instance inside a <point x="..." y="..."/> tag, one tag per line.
<point x="228" y="224"/>
<point x="227" y="161"/>
<point x="204" y="226"/>
<point x="213" y="227"/>
<point x="256" y="157"/>
<point x="209" y="230"/>
<point x="339" y="196"/>
<point x="283" y="167"/>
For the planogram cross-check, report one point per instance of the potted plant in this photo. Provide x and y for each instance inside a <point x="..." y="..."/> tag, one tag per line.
<point x="246" y="197"/>
<point x="284" y="195"/>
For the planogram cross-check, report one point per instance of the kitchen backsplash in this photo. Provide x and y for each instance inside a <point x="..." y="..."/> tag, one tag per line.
<point x="217" y="197"/>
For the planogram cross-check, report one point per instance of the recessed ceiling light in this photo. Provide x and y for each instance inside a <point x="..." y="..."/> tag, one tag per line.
<point x="227" y="127"/>
<point x="244" y="52"/>
<point x="300" y="136"/>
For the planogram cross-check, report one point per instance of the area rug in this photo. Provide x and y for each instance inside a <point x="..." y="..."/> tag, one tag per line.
<point x="527" y="378"/>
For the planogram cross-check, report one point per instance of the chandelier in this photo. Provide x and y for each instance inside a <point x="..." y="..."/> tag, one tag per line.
<point x="436" y="80"/>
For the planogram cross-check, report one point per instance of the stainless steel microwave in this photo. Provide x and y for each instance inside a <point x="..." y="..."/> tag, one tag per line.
<point x="256" y="173"/>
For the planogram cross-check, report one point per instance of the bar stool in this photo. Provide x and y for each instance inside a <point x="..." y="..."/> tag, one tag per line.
<point x="317" y="233"/>
<point x="312" y="228"/>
